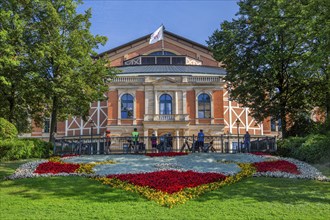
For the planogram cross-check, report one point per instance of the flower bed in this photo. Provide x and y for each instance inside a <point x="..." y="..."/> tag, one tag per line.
<point x="276" y="166"/>
<point x="166" y="154"/>
<point x="170" y="181"/>
<point x="179" y="197"/>
<point x="260" y="154"/>
<point x="56" y="167"/>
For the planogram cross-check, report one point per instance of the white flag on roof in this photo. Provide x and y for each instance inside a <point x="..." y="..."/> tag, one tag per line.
<point x="157" y="35"/>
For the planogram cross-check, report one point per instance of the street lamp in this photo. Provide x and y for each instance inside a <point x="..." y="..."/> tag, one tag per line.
<point x="91" y="123"/>
<point x="238" y="122"/>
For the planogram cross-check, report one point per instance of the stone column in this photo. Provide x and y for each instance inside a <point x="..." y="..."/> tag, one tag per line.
<point x="146" y="140"/>
<point x="177" y="133"/>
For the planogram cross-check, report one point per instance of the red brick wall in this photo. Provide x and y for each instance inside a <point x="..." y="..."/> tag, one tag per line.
<point x="218" y="106"/>
<point x="191" y="106"/>
<point x="60" y="128"/>
<point x="266" y="125"/>
<point x="112" y="107"/>
<point x="140" y="106"/>
<point x="204" y="121"/>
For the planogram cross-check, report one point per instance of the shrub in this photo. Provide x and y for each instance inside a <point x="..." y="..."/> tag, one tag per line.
<point x="287" y="147"/>
<point x="7" y="130"/>
<point x="15" y="149"/>
<point x="313" y="148"/>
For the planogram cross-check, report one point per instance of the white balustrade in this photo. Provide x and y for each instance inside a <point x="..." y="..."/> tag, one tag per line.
<point x="127" y="79"/>
<point x="204" y="79"/>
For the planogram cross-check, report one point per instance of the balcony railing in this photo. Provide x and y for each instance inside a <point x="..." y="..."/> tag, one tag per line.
<point x="161" y="117"/>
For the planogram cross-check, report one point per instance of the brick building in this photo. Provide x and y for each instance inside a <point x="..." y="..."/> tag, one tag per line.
<point x="179" y="90"/>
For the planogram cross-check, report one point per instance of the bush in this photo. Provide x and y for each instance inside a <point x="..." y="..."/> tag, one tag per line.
<point x="24" y="148"/>
<point x="7" y="130"/>
<point x="313" y="148"/>
<point x="287" y="147"/>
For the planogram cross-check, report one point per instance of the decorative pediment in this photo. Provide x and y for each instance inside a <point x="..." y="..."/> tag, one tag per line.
<point x="165" y="80"/>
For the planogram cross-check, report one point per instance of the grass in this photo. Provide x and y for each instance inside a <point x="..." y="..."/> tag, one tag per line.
<point x="82" y="198"/>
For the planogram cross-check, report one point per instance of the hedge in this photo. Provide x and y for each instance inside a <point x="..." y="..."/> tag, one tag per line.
<point x="15" y="149"/>
<point x="313" y="148"/>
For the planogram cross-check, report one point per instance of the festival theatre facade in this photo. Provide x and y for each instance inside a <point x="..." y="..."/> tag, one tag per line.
<point x="170" y="86"/>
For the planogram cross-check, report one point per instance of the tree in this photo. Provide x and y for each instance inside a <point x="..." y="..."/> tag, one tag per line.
<point x="268" y="52"/>
<point x="71" y="78"/>
<point x="60" y="68"/>
<point x="17" y="103"/>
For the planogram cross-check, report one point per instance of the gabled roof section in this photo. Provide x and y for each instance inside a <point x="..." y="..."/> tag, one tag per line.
<point x="146" y="37"/>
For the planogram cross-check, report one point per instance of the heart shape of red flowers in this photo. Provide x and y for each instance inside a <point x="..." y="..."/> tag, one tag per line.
<point x="170" y="181"/>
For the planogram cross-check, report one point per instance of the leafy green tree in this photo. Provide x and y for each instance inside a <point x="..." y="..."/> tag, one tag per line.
<point x="269" y="52"/>
<point x="18" y="97"/>
<point x="69" y="75"/>
<point x="55" y="72"/>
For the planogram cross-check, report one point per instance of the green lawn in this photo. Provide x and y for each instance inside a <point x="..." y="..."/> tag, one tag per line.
<point x="82" y="198"/>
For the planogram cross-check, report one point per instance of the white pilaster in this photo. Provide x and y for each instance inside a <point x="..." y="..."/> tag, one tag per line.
<point x="184" y="102"/>
<point x="176" y="103"/>
<point x="156" y="103"/>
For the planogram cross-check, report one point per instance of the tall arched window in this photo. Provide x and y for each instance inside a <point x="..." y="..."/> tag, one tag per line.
<point x="165" y="104"/>
<point x="204" y="106"/>
<point x="127" y="106"/>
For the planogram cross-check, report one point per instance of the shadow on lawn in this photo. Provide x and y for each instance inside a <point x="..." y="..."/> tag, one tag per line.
<point x="262" y="189"/>
<point x="79" y="188"/>
<point x="289" y="191"/>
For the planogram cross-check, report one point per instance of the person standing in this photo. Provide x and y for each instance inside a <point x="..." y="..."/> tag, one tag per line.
<point x="200" y="141"/>
<point x="108" y="141"/>
<point x="153" y="143"/>
<point x="247" y="141"/>
<point x="135" y="139"/>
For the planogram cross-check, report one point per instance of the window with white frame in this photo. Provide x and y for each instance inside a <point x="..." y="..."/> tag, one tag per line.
<point x="127" y="106"/>
<point x="204" y="106"/>
<point x="165" y="104"/>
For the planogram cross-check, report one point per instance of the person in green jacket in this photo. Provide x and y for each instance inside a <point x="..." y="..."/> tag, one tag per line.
<point x="135" y="139"/>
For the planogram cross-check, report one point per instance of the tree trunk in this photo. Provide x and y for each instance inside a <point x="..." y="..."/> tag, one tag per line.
<point x="53" y="120"/>
<point x="283" y="123"/>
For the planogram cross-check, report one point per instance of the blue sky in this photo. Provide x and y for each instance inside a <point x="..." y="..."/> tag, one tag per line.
<point x="126" y="20"/>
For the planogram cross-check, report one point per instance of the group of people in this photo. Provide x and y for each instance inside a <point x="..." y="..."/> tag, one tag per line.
<point x="134" y="142"/>
<point x="166" y="142"/>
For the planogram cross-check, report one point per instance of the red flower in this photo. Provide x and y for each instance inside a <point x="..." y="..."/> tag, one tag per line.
<point x="56" y="167"/>
<point x="278" y="165"/>
<point x="166" y="154"/>
<point x="260" y="153"/>
<point x="170" y="181"/>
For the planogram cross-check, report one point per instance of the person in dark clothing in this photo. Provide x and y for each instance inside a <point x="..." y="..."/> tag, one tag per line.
<point x="154" y="143"/>
<point x="200" y="141"/>
<point x="247" y="141"/>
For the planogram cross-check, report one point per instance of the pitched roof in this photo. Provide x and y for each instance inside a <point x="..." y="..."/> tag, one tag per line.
<point x="171" y="69"/>
<point x="147" y="37"/>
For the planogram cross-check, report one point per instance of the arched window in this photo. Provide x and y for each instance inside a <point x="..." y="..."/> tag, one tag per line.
<point x="204" y="106"/>
<point x="159" y="53"/>
<point x="165" y="104"/>
<point x="127" y="106"/>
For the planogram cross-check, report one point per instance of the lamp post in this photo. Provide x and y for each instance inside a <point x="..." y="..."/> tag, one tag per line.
<point x="238" y="122"/>
<point x="91" y="123"/>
